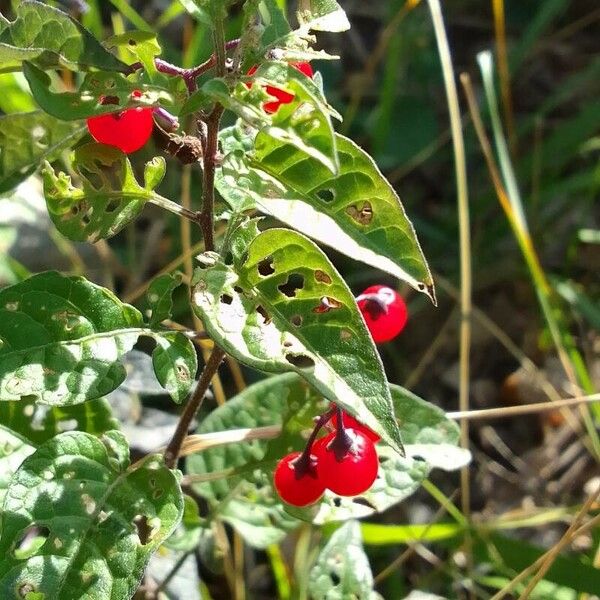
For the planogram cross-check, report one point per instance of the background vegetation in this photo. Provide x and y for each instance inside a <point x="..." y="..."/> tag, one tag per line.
<point x="535" y="317"/>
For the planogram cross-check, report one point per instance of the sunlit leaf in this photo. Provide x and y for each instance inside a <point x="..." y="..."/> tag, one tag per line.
<point x="28" y="139"/>
<point x="108" y="198"/>
<point x="356" y="212"/>
<point x="50" y="38"/>
<point x="342" y="569"/>
<point x="322" y="15"/>
<point x="61" y="340"/>
<point x="282" y="306"/>
<point x="97" y="521"/>
<point x="160" y="296"/>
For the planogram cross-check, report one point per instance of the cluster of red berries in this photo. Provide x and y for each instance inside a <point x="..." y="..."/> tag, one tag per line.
<point x="344" y="461"/>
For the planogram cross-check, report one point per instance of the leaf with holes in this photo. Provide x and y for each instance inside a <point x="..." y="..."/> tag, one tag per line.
<point x="342" y="569"/>
<point x="282" y="306"/>
<point x="51" y="38"/>
<point x="28" y="139"/>
<point x="61" y="340"/>
<point x="252" y="509"/>
<point x="97" y="522"/>
<point x="109" y="197"/>
<point x="160" y="296"/>
<point x="358" y="212"/>
<point x="100" y="93"/>
<point x="138" y="46"/>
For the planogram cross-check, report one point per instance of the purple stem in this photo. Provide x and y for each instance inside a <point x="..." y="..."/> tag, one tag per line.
<point x="167" y="120"/>
<point x="303" y="464"/>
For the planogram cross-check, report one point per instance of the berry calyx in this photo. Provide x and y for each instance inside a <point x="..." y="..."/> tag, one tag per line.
<point x="297" y="481"/>
<point x="127" y="130"/>
<point x="282" y="97"/>
<point x="347" y="461"/>
<point x="384" y="311"/>
<point x="349" y="421"/>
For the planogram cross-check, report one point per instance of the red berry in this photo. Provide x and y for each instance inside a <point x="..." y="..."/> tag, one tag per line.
<point x="294" y="488"/>
<point x="349" y="421"/>
<point x="282" y="96"/>
<point x="384" y="311"/>
<point x="355" y="472"/>
<point x="128" y="129"/>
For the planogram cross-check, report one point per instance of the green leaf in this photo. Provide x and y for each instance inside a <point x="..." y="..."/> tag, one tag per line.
<point x="139" y="46"/>
<point x="51" y="38"/>
<point x="282" y="307"/>
<point x="61" y="339"/>
<point x="304" y="123"/>
<point x="14" y="449"/>
<point x="322" y="15"/>
<point x="342" y="569"/>
<point x="160" y="296"/>
<point x="175" y="364"/>
<point x="100" y="520"/>
<point x="100" y="93"/>
<point x="37" y="423"/>
<point x="196" y="12"/>
<point x="358" y="212"/>
<point x="243" y="497"/>
<point x="28" y="139"/>
<point x="109" y="197"/>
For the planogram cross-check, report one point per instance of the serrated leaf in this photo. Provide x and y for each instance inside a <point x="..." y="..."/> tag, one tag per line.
<point x="342" y="569"/>
<point x="28" y="139"/>
<point x="61" y="340"/>
<point x="284" y="307"/>
<point x="245" y="499"/>
<point x="50" y="38"/>
<point x="100" y="93"/>
<point x="288" y="401"/>
<point x="160" y="296"/>
<point x="322" y="15"/>
<point x="357" y="212"/>
<point x="109" y="196"/>
<point x="101" y="521"/>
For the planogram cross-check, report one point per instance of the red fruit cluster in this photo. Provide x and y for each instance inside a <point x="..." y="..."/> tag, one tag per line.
<point x="127" y="130"/>
<point x="384" y="312"/>
<point x="281" y="96"/>
<point x="344" y="461"/>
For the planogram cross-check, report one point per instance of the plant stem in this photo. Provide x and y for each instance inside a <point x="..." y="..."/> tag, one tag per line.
<point x="206" y="216"/>
<point x="172" y="452"/>
<point x="173" y="207"/>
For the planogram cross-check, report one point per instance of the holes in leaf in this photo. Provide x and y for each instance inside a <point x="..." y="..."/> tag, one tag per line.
<point x="112" y="206"/>
<point x="345" y="335"/>
<point x="335" y="578"/>
<point x="156" y="494"/>
<point x="89" y="504"/>
<point x="25" y="589"/>
<point x="86" y="219"/>
<point x="92" y="177"/>
<point x="108" y="100"/>
<point x="294" y="283"/>
<point x="322" y="277"/>
<point x="300" y="361"/>
<point x="265" y="267"/>
<point x="337" y="501"/>
<point x="326" y="195"/>
<point x="264" y="314"/>
<point x="327" y="304"/>
<point x="30" y="541"/>
<point x="144" y="531"/>
<point x="418" y="458"/>
<point x="363" y="502"/>
<point x="226" y="299"/>
<point x="362" y="214"/>
<point x="296" y="320"/>
<point x="183" y="373"/>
